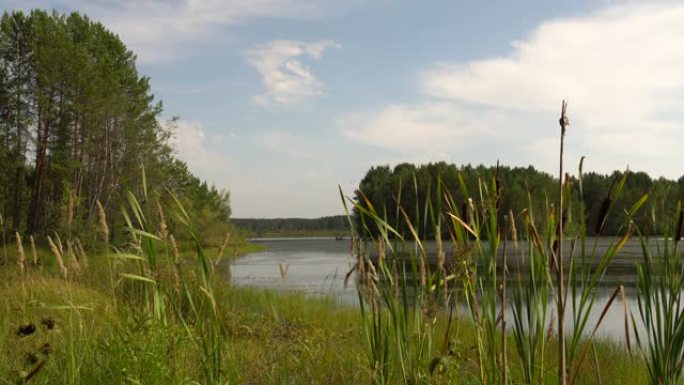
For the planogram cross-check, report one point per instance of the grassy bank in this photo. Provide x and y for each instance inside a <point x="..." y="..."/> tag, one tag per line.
<point x="74" y="331"/>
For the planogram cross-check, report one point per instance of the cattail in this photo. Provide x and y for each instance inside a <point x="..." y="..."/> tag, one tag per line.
<point x="20" y="253"/>
<point x="373" y="279"/>
<point x="58" y="257"/>
<point x="102" y="217"/>
<point x="464" y="213"/>
<point x="601" y="223"/>
<point x="163" y="229"/>
<point x="33" y="251"/>
<point x="441" y="259"/>
<point x="422" y="270"/>
<point x="549" y="330"/>
<point x="283" y="271"/>
<point x="73" y="261"/>
<point x="680" y="225"/>
<point x="80" y="252"/>
<point x="221" y="249"/>
<point x="605" y="205"/>
<point x="381" y="251"/>
<point x="361" y="263"/>
<point x="174" y="249"/>
<point x="497" y="184"/>
<point x="513" y="230"/>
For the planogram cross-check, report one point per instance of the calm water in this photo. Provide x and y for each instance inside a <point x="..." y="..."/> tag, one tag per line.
<point x="317" y="266"/>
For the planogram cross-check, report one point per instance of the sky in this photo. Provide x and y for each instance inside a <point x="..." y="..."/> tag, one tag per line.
<point x="282" y="101"/>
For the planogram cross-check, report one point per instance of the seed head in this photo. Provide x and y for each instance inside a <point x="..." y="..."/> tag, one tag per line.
<point x="20" y="253"/>
<point x="102" y="217"/>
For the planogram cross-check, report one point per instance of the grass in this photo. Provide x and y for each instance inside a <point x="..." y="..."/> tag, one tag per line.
<point x="154" y="313"/>
<point x="270" y="338"/>
<point x="401" y="293"/>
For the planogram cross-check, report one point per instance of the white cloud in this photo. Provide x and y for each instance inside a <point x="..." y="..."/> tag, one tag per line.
<point x="286" y="78"/>
<point x="157" y="29"/>
<point x="192" y="145"/>
<point x="411" y="127"/>
<point x="620" y="68"/>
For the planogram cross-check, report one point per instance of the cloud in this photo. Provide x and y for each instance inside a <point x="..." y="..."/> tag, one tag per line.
<point x="286" y="78"/>
<point x="157" y="29"/>
<point x="620" y="68"/>
<point x="411" y="128"/>
<point x="192" y="145"/>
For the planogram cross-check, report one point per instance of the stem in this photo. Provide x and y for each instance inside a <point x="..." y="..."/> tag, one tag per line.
<point x="559" y="258"/>
<point x="504" y="378"/>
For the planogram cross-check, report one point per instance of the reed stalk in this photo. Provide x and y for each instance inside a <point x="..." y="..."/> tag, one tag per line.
<point x="21" y="256"/>
<point x="562" y="379"/>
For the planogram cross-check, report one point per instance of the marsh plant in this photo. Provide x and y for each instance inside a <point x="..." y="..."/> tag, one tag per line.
<point x="660" y="310"/>
<point x="407" y="296"/>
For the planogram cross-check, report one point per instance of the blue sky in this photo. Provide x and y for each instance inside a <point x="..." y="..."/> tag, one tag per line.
<point x="281" y="101"/>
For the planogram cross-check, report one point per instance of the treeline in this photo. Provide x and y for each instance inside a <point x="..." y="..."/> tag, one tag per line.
<point x="421" y="193"/>
<point x="332" y="224"/>
<point x="79" y="125"/>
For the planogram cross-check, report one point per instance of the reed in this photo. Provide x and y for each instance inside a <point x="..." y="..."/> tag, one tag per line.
<point x="21" y="256"/>
<point x="660" y="292"/>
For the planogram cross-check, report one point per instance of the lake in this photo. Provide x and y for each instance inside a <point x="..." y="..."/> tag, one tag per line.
<point x="317" y="266"/>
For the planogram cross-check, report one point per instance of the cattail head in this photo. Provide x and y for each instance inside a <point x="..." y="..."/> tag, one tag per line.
<point x="283" y="271"/>
<point x="381" y="251"/>
<point x="422" y="270"/>
<point x="20" y="254"/>
<point x="441" y="257"/>
<point x="603" y="212"/>
<point x="513" y="230"/>
<point x="497" y="183"/>
<point x="222" y="248"/>
<point x="549" y="330"/>
<point x="102" y="218"/>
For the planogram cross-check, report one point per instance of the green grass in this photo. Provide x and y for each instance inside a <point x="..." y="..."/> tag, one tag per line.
<point x="270" y="338"/>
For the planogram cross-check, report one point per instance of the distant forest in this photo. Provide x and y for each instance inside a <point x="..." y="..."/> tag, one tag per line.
<point x="78" y="125"/>
<point x="332" y="225"/>
<point x="413" y="187"/>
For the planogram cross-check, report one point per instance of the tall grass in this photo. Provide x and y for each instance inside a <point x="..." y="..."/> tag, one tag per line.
<point x="402" y="299"/>
<point x="660" y="293"/>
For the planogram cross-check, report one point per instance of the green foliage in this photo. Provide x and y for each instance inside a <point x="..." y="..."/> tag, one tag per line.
<point x="330" y="225"/>
<point x="77" y="121"/>
<point x="518" y="188"/>
<point x="659" y="291"/>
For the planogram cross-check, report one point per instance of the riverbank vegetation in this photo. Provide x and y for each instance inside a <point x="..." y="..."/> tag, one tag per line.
<point x="517" y="188"/>
<point x="77" y="124"/>
<point x="110" y="268"/>
<point x="331" y="226"/>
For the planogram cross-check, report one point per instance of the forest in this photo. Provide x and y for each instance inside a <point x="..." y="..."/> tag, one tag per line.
<point x="79" y="125"/>
<point x="338" y="224"/>
<point x="422" y="191"/>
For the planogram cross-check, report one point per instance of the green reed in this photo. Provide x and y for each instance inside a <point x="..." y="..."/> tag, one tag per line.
<point x="660" y="292"/>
